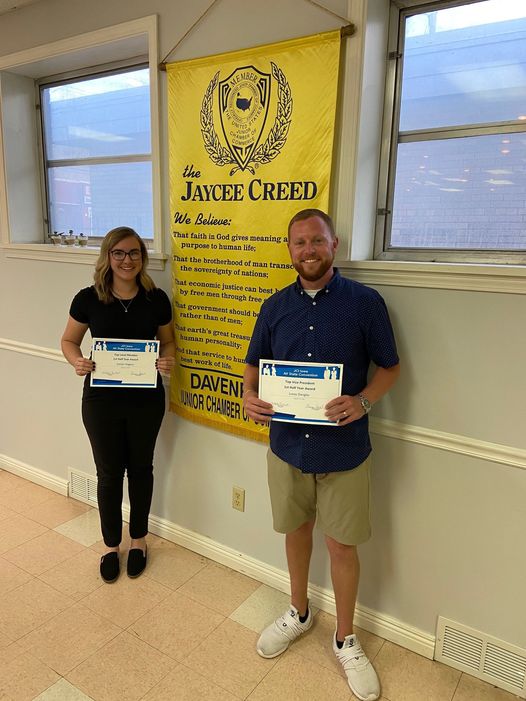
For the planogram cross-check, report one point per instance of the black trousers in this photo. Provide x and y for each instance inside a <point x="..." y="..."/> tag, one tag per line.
<point x="122" y="431"/>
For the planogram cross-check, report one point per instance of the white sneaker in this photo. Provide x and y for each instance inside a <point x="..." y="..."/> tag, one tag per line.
<point x="276" y="637"/>
<point x="360" y="673"/>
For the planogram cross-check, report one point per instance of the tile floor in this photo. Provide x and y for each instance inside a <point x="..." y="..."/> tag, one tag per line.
<point x="184" y="631"/>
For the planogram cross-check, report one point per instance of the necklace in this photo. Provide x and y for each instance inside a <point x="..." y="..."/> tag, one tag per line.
<point x="121" y="302"/>
<point x="125" y="306"/>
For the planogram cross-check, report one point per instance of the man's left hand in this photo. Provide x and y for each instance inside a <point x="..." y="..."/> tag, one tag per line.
<point x="344" y="410"/>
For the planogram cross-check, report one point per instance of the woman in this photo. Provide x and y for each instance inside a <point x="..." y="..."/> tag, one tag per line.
<point x="122" y="423"/>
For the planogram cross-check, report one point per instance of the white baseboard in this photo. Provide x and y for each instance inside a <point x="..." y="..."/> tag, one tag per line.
<point x="380" y="624"/>
<point x="33" y="474"/>
<point x="396" y="631"/>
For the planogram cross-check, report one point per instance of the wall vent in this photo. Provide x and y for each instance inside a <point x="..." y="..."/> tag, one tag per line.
<point x="82" y="487"/>
<point x="476" y="653"/>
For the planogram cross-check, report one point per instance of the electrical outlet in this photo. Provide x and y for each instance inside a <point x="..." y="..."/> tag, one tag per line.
<point x="238" y="498"/>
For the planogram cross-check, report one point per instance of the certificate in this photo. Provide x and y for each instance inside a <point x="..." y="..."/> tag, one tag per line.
<point x="122" y="362"/>
<point x="299" y="392"/>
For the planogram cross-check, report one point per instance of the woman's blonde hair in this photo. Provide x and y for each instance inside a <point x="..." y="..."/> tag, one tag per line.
<point x="103" y="273"/>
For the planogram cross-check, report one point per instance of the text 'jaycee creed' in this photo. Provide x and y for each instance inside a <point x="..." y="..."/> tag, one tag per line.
<point x="256" y="190"/>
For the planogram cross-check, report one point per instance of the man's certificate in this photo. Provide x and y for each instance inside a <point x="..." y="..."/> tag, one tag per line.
<point x="299" y="391"/>
<point x="120" y="362"/>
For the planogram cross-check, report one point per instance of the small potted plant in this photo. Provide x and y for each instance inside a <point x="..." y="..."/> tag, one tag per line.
<point x="69" y="240"/>
<point x="82" y="239"/>
<point x="56" y="238"/>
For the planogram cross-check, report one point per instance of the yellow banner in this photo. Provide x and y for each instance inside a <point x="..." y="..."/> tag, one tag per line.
<point x="251" y="140"/>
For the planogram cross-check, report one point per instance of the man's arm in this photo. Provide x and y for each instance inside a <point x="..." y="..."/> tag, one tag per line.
<point x="347" y="408"/>
<point x="381" y="382"/>
<point x="258" y="410"/>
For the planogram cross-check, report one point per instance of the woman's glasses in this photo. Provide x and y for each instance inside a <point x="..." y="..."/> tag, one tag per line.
<point x="134" y="254"/>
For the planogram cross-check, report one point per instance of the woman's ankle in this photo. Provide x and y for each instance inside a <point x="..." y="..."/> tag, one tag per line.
<point x="138" y="543"/>
<point x="111" y="550"/>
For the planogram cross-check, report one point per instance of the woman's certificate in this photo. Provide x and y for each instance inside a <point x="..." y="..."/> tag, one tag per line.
<point x="299" y="392"/>
<point x="121" y="362"/>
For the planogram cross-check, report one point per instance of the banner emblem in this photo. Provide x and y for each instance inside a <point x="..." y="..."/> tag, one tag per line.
<point x="244" y="99"/>
<point x="243" y="107"/>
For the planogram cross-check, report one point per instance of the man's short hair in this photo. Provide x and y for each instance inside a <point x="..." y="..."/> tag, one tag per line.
<point x="307" y="214"/>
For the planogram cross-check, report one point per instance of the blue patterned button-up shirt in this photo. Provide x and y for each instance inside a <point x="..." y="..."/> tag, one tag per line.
<point x="347" y="323"/>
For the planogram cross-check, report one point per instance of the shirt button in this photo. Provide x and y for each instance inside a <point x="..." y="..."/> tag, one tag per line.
<point x="309" y="355"/>
<point x="311" y="328"/>
<point x="307" y="435"/>
<point x="314" y="304"/>
<point x="326" y="292"/>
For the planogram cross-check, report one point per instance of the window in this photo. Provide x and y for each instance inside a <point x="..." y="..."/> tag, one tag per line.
<point x="89" y="158"/>
<point x="97" y="153"/>
<point x="453" y="177"/>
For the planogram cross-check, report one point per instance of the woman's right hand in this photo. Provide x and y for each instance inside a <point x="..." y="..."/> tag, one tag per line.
<point x="83" y="366"/>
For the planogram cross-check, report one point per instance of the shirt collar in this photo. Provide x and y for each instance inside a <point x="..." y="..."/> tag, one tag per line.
<point x="331" y="285"/>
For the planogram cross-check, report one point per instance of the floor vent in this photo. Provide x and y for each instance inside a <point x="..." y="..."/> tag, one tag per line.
<point x="476" y="653"/>
<point x="82" y="487"/>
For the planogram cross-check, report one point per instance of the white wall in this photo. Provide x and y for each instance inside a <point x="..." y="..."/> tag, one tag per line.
<point x="21" y="158"/>
<point x="448" y="528"/>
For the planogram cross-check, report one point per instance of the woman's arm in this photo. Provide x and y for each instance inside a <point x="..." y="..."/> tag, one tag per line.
<point x="70" y="344"/>
<point x="166" y="359"/>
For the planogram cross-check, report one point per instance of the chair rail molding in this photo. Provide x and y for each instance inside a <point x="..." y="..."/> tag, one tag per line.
<point x="452" y="442"/>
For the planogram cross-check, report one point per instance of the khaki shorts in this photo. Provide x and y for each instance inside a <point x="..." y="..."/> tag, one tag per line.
<point x="338" y="500"/>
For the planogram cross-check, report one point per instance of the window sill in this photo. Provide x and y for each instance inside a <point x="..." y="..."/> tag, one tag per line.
<point x="510" y="279"/>
<point x="86" y="255"/>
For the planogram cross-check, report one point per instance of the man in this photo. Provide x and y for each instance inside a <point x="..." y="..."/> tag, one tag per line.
<point x="317" y="471"/>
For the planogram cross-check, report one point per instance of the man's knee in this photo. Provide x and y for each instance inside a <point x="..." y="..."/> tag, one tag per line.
<point x="304" y="530"/>
<point x="341" y="550"/>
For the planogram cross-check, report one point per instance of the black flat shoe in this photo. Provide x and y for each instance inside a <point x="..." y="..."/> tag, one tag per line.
<point x="136" y="562"/>
<point x="109" y="567"/>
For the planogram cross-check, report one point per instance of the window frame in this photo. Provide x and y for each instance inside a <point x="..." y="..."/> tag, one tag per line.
<point x="130" y="42"/>
<point x="391" y="137"/>
<point x="115" y="68"/>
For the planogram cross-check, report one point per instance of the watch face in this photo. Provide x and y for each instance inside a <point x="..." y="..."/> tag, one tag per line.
<point x="366" y="404"/>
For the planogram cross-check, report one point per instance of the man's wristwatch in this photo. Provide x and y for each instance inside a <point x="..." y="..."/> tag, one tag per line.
<point x="366" y="404"/>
